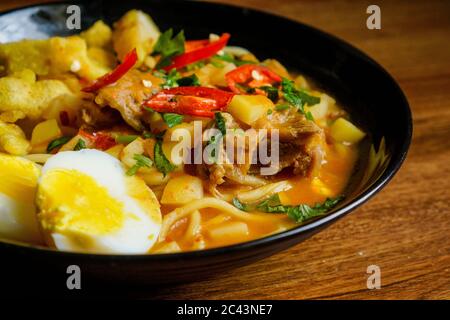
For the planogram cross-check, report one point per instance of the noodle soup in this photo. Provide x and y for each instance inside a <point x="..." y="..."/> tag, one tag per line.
<point x="133" y="140"/>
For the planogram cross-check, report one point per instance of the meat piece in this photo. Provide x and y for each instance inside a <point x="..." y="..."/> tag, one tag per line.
<point x="290" y="124"/>
<point x="127" y="96"/>
<point x="229" y="171"/>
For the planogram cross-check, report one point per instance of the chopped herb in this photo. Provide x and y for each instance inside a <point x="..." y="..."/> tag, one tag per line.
<point x="80" y="145"/>
<point x="125" y="139"/>
<point x="168" y="47"/>
<point x="189" y="81"/>
<point x="195" y="65"/>
<point x="216" y="63"/>
<point x="272" y="92"/>
<point x="172" y="119"/>
<point x="162" y="163"/>
<point x="282" y="107"/>
<point x="269" y="112"/>
<point x="298" y="213"/>
<point x="229" y="58"/>
<point x="298" y="98"/>
<point x="141" y="161"/>
<point x="57" y="143"/>
<point x="239" y="205"/>
<point x="170" y="79"/>
<point x="220" y="122"/>
<point x="157" y="136"/>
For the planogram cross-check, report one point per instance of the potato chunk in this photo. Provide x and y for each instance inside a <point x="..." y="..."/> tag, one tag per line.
<point x="45" y="132"/>
<point x="182" y="189"/>
<point x="249" y="108"/>
<point x="344" y="131"/>
<point x="135" y="30"/>
<point x="98" y="35"/>
<point x="12" y="139"/>
<point x="20" y="98"/>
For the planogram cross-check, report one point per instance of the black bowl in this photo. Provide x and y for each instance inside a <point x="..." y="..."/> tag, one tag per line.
<point x="370" y="94"/>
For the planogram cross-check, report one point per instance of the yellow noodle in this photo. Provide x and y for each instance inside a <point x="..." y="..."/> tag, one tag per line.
<point x="194" y="226"/>
<point x="263" y="192"/>
<point x="208" y="202"/>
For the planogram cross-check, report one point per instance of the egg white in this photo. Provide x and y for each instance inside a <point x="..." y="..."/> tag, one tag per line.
<point x="139" y="230"/>
<point x="17" y="209"/>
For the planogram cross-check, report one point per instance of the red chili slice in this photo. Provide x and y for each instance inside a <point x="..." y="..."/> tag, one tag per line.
<point x="100" y="140"/>
<point x="198" y="50"/>
<point x="243" y="75"/>
<point x="128" y="62"/>
<point x="195" y="101"/>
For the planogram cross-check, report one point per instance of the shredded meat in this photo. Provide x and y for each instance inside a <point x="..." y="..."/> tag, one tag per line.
<point x="290" y="124"/>
<point x="127" y="96"/>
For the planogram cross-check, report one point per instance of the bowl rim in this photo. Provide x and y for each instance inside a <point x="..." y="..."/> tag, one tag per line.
<point x="394" y="165"/>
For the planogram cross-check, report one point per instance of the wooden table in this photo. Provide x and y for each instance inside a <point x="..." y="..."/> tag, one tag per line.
<point x="405" y="228"/>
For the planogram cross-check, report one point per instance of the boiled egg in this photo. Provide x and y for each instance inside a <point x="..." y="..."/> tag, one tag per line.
<point x="18" y="182"/>
<point x="87" y="203"/>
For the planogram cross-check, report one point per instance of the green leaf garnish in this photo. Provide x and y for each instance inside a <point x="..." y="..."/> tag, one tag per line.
<point x="168" y="47"/>
<point x="299" y="213"/>
<point x="125" y="139"/>
<point x="239" y="205"/>
<point x="141" y="161"/>
<point x="281" y="107"/>
<point x="229" y="58"/>
<point x="298" y="98"/>
<point x="57" y="143"/>
<point x="189" y="81"/>
<point x="162" y="163"/>
<point x="272" y="92"/>
<point x="80" y="145"/>
<point x="220" y="122"/>
<point x="172" y="119"/>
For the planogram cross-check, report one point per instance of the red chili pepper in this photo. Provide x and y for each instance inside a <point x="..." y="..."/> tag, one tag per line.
<point x="128" y="62"/>
<point x="100" y="140"/>
<point x="244" y="75"/>
<point x="195" y="101"/>
<point x="198" y="50"/>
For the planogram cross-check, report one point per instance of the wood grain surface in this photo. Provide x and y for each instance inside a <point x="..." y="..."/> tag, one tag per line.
<point x="405" y="228"/>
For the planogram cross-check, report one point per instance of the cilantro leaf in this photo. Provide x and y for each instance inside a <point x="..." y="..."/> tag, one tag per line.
<point x="127" y="138"/>
<point x="80" y="145"/>
<point x="172" y="119"/>
<point x="299" y="213"/>
<point x="170" y="79"/>
<point x="272" y="92"/>
<point x="168" y="47"/>
<point x="229" y="58"/>
<point x="189" y="81"/>
<point x="220" y="122"/>
<point x="141" y="161"/>
<point x="57" y="143"/>
<point x="298" y="98"/>
<point x="239" y="205"/>
<point x="162" y="163"/>
<point x="281" y="107"/>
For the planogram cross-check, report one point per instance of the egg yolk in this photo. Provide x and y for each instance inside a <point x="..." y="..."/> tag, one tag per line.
<point x="73" y="201"/>
<point x="18" y="178"/>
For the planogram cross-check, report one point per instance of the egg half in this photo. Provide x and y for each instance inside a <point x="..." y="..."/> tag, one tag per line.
<point x="87" y="203"/>
<point x="18" y="182"/>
